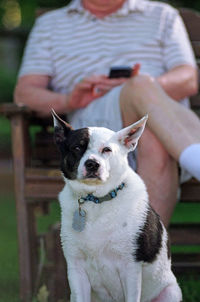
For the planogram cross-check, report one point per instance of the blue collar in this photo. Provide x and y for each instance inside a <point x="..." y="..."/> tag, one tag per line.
<point x="112" y="194"/>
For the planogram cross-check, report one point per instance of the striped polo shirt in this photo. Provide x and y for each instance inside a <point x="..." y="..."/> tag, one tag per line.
<point x="70" y="43"/>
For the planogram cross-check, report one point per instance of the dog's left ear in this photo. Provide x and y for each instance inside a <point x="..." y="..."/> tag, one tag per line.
<point x="61" y="128"/>
<point x="130" y="135"/>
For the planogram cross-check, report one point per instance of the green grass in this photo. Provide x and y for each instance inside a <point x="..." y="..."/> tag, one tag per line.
<point x="4" y="126"/>
<point x="186" y="212"/>
<point x="9" y="271"/>
<point x="190" y="286"/>
<point x="5" y="130"/>
<point x="5" y="134"/>
<point x="43" y="222"/>
<point x="7" y="84"/>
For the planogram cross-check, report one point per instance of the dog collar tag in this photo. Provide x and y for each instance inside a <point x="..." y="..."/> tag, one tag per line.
<point x="79" y="219"/>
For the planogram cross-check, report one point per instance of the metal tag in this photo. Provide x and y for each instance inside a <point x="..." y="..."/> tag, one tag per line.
<point x="79" y="219"/>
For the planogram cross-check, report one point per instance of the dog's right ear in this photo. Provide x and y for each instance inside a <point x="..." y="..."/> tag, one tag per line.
<point x="61" y="128"/>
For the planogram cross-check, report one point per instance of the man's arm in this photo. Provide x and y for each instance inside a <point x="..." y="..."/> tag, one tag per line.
<point x="180" y="82"/>
<point x="31" y="90"/>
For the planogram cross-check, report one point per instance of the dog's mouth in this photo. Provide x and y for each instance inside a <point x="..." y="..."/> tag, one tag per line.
<point x="91" y="181"/>
<point x="92" y="178"/>
<point x="90" y="175"/>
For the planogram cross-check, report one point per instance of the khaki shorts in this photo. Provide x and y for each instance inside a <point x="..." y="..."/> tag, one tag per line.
<point x="102" y="112"/>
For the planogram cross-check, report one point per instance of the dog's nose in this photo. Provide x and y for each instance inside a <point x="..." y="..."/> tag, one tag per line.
<point x="92" y="165"/>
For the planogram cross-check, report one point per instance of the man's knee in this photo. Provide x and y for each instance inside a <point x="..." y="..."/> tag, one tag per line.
<point x="136" y="90"/>
<point x="140" y="83"/>
<point x="151" y="150"/>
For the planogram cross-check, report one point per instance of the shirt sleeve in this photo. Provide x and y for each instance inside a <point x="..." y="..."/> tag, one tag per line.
<point x="177" y="47"/>
<point x="37" y="55"/>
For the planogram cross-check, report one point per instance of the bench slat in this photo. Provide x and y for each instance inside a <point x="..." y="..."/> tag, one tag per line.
<point x="185" y="234"/>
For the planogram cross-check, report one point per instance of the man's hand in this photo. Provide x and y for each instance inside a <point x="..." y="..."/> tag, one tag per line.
<point x="89" y="89"/>
<point x="32" y="91"/>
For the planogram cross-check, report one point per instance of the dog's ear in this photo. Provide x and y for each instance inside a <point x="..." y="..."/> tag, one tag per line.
<point x="61" y="128"/>
<point x="130" y="135"/>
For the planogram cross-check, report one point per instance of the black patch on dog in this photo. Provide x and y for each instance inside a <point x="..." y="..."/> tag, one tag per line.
<point x="149" y="240"/>
<point x="72" y="145"/>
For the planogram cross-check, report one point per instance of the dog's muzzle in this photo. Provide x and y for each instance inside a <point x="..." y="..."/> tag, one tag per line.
<point x="92" y="167"/>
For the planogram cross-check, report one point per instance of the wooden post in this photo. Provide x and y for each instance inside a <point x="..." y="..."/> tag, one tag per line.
<point x="25" y="212"/>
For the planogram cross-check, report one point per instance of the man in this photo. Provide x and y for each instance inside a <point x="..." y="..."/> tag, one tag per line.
<point x="70" y="50"/>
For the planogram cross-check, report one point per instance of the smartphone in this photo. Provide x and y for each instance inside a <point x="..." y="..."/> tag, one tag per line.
<point x="120" y="72"/>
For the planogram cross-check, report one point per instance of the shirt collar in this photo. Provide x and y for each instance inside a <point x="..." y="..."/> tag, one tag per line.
<point x="128" y="6"/>
<point x="75" y="6"/>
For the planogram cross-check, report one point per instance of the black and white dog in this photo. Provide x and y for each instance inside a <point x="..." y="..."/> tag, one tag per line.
<point x="114" y="243"/>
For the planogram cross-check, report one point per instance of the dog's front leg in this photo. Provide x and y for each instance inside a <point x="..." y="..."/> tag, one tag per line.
<point x="79" y="283"/>
<point x="131" y="279"/>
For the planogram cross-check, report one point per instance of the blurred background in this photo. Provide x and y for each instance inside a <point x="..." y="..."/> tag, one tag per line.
<point x="16" y="20"/>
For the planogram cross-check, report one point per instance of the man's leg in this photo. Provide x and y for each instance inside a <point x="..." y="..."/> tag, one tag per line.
<point x="160" y="174"/>
<point x="167" y="121"/>
<point x="155" y="166"/>
<point x="175" y="126"/>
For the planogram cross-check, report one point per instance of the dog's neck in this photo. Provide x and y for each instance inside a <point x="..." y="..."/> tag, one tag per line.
<point x="99" y="190"/>
<point x="112" y="194"/>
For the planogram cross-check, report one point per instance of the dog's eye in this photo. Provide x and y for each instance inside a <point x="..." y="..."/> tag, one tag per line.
<point x="106" y="149"/>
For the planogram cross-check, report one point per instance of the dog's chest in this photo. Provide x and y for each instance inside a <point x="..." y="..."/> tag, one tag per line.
<point x="105" y="246"/>
<point x="105" y="254"/>
<point x="106" y="231"/>
<point x="110" y="227"/>
<point x="104" y="276"/>
<point x="107" y="243"/>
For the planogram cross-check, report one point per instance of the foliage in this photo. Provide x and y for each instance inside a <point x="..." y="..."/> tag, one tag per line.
<point x="22" y="12"/>
<point x="27" y="8"/>
<point x="43" y="294"/>
<point x="51" y="3"/>
<point x="7" y="84"/>
<point x="186" y="3"/>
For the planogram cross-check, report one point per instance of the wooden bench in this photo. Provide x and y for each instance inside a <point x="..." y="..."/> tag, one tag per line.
<point x="37" y="182"/>
<point x="188" y="234"/>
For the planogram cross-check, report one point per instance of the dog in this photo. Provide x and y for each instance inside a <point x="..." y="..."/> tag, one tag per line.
<point x="115" y="245"/>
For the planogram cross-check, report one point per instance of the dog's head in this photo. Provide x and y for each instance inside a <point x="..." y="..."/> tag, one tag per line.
<point x="94" y="155"/>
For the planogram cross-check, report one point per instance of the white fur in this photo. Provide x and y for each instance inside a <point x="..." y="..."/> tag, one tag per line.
<point x="100" y="259"/>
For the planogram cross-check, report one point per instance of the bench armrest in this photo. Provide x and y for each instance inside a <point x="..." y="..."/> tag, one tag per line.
<point x="10" y="109"/>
